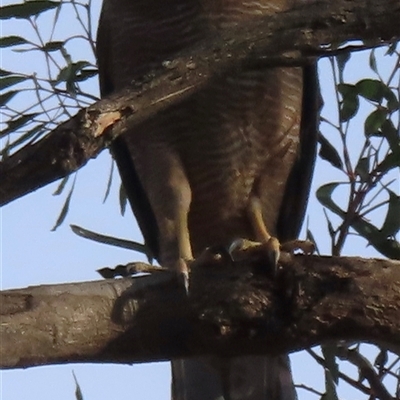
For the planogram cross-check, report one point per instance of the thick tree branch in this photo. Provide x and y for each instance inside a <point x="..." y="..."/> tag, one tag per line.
<point x="290" y="38"/>
<point x="233" y="308"/>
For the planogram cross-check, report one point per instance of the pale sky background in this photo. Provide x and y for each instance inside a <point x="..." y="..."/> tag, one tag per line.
<point x="33" y="255"/>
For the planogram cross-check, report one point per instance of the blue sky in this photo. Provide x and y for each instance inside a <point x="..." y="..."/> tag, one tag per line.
<point x="33" y="255"/>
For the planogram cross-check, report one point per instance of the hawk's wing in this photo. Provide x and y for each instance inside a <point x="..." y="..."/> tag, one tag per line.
<point x="134" y="191"/>
<point x="297" y="190"/>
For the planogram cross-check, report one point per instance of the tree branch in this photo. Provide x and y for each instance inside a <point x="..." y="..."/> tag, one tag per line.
<point x="290" y="38"/>
<point x="232" y="309"/>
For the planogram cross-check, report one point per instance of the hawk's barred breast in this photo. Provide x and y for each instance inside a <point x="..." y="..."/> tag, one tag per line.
<point x="238" y="135"/>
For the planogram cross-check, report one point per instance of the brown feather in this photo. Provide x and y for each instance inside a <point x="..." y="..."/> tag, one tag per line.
<point x="238" y="137"/>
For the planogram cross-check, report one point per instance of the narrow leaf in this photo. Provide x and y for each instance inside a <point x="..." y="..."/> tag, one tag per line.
<point x="329" y="153"/>
<point x="386" y="246"/>
<point x="109" y="182"/>
<point x="362" y="168"/>
<point x="14" y="125"/>
<point x="27" y="9"/>
<point x="11" y="80"/>
<point x="350" y="103"/>
<point x="391" y="226"/>
<point x="61" y="186"/>
<point x="65" y="209"/>
<point x="110" y="240"/>
<point x="324" y="196"/>
<point x="86" y="74"/>
<point x="78" y="391"/>
<point x="374" y="121"/>
<point x="371" y="89"/>
<point x="6" y="97"/>
<point x="9" y="41"/>
<point x="122" y="199"/>
<point x="391" y="161"/>
<point x="3" y="72"/>
<point x="372" y="61"/>
<point x="28" y="135"/>
<point x="342" y="60"/>
<point x="52" y="46"/>
<point x="389" y="132"/>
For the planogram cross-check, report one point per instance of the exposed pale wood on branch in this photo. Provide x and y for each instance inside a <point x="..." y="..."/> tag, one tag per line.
<point x="288" y="39"/>
<point x="232" y="309"/>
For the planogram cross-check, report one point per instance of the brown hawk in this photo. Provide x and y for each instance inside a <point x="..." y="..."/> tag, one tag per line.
<point x="232" y="161"/>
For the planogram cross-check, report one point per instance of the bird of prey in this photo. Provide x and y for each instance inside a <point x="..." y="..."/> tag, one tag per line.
<point x="234" y="160"/>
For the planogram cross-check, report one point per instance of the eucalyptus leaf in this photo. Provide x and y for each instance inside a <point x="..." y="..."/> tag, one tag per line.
<point x="123" y="199"/>
<point x="391" y="225"/>
<point x="375" y="121"/>
<point x="27" y="9"/>
<point x="15" y="124"/>
<point x="9" y="41"/>
<point x="110" y="240"/>
<point x="65" y="208"/>
<point x="6" y="97"/>
<point x="350" y="103"/>
<point x="78" y="391"/>
<point x="371" y="89"/>
<point x="329" y="153"/>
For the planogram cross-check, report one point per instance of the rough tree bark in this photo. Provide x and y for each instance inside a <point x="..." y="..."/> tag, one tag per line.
<point x="233" y="308"/>
<point x="285" y="39"/>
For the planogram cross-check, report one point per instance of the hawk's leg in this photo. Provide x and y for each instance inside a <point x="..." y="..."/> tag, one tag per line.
<point x="170" y="196"/>
<point x="272" y="245"/>
<point x="184" y="247"/>
<point x="270" y="242"/>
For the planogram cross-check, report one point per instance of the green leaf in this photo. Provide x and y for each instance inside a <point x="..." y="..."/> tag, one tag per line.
<point x="324" y="196"/>
<point x="3" y="72"/>
<point x="14" y="125"/>
<point x="78" y="391"/>
<point x="392" y="101"/>
<point x="86" y="74"/>
<point x="110" y="240"/>
<point x="391" y="161"/>
<point x="65" y="209"/>
<point x="374" y="121"/>
<point x="371" y="89"/>
<point x="52" y="46"/>
<point x="389" y="132"/>
<point x="61" y="186"/>
<point x="123" y="199"/>
<point x="28" y="135"/>
<point x="342" y="60"/>
<point x="9" y="41"/>
<point x="362" y="168"/>
<point x="11" y="80"/>
<point x="6" y="97"/>
<point x="372" y="61"/>
<point x="386" y="246"/>
<point x="391" y="226"/>
<point x="109" y="182"/>
<point x="27" y="9"/>
<point x="350" y="103"/>
<point x="392" y="48"/>
<point x="329" y="153"/>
